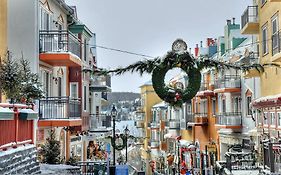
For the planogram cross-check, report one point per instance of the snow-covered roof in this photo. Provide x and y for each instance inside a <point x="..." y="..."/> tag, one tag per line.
<point x="147" y="83"/>
<point x="160" y="105"/>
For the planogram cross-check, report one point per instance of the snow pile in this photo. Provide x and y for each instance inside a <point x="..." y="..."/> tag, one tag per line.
<point x="59" y="169"/>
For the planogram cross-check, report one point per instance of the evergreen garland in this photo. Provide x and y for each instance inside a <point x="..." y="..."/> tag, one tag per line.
<point x="190" y="65"/>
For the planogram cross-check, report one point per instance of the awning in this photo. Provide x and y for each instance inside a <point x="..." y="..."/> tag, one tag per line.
<point x="184" y="143"/>
<point x="205" y="93"/>
<point x="171" y="136"/>
<point x="267" y="101"/>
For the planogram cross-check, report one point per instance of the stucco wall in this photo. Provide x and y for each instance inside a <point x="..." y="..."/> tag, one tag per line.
<point x="23" y="32"/>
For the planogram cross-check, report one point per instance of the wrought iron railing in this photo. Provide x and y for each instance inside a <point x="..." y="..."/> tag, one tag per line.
<point x="59" y="41"/>
<point x="250" y="15"/>
<point x="59" y="108"/>
<point x="229" y="119"/>
<point x="100" y="120"/>
<point x="228" y="81"/>
<point x="92" y="167"/>
<point x="202" y="114"/>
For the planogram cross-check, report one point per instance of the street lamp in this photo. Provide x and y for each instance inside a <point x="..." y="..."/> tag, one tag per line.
<point x="113" y="116"/>
<point x="127" y="132"/>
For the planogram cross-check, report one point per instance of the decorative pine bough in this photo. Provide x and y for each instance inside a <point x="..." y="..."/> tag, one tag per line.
<point x="178" y="58"/>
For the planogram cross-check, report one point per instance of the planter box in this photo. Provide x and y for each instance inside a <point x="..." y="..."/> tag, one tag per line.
<point x="28" y="114"/>
<point x="6" y="114"/>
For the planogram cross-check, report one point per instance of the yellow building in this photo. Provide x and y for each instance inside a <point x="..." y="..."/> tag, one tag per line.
<point x="148" y="99"/>
<point x="263" y="19"/>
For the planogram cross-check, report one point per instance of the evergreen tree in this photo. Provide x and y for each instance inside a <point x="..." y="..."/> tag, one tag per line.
<point x="51" y="149"/>
<point x="30" y="86"/>
<point x="9" y="78"/>
<point x="17" y="81"/>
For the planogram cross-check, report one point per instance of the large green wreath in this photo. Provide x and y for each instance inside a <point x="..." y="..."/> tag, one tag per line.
<point x="119" y="147"/>
<point x="176" y="96"/>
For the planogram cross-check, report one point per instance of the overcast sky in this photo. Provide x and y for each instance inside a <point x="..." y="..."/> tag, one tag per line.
<point x="149" y="27"/>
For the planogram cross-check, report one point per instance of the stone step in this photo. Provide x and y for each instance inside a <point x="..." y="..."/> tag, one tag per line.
<point x="23" y="161"/>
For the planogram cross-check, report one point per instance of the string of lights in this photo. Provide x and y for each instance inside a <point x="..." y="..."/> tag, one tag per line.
<point x="149" y="56"/>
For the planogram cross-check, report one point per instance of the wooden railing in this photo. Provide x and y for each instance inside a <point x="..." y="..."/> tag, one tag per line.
<point x="15" y="131"/>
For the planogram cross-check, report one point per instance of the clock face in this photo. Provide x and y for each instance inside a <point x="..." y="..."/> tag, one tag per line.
<point x="179" y="45"/>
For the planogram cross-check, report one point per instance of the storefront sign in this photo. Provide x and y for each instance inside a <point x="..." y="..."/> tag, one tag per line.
<point x="212" y="148"/>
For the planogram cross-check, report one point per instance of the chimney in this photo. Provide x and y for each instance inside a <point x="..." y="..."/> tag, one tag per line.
<point x="233" y="21"/>
<point x="228" y="22"/>
<point x="210" y="42"/>
<point x="196" y="50"/>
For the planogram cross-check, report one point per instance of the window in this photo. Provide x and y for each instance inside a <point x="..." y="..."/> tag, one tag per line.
<point x="85" y="98"/>
<point x="85" y="50"/>
<point x="74" y="90"/>
<point x="223" y="106"/>
<point x="279" y="119"/>
<point x="265" y="118"/>
<point x="272" y="119"/>
<point x="275" y="38"/>
<point x="45" y="79"/>
<point x="249" y="99"/>
<point x="264" y="40"/>
<point x="59" y="83"/>
<point x="236" y="104"/>
<point x="214" y="106"/>
<point x="45" y="19"/>
<point x="154" y="115"/>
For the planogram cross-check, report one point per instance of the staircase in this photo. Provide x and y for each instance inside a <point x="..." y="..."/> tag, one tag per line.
<point x="21" y="160"/>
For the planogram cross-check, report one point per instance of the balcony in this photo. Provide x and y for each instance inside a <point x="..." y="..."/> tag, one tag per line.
<point x="184" y="122"/>
<point x="154" y="125"/>
<point x="228" y="83"/>
<point x="249" y="21"/>
<point x="154" y="144"/>
<point x="205" y="90"/>
<point x="100" y="121"/>
<point x="231" y="120"/>
<point x="199" y="119"/>
<point x="59" y="111"/>
<point x="174" y="124"/>
<point x="139" y="120"/>
<point x="100" y="84"/>
<point x="60" y="48"/>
